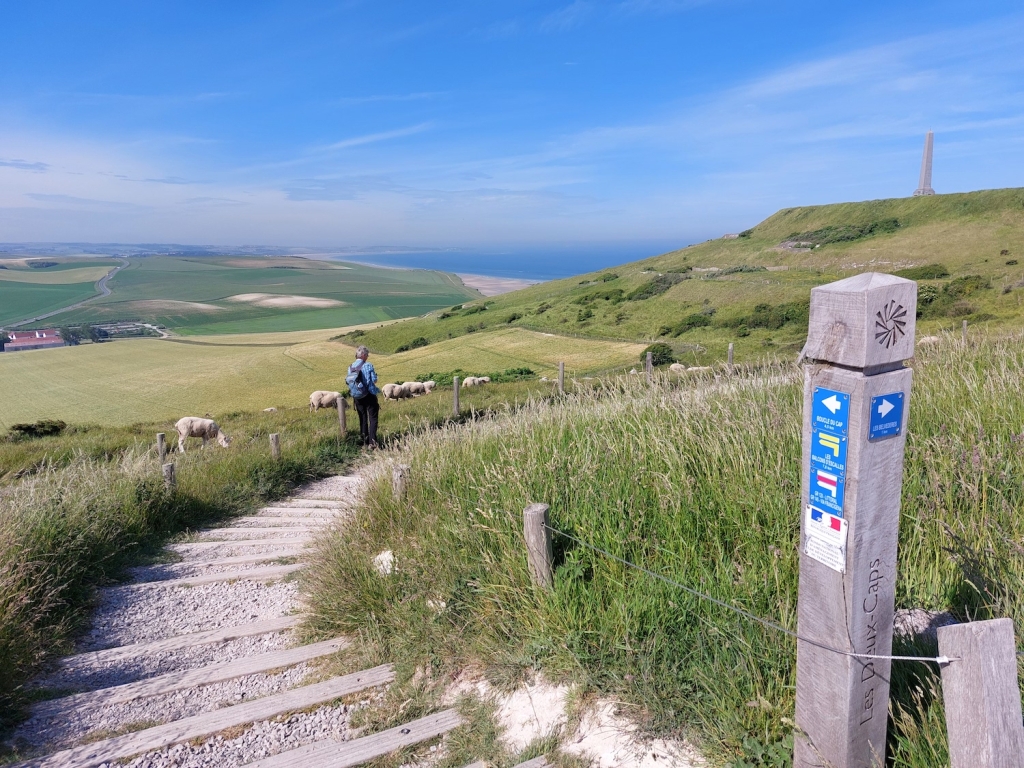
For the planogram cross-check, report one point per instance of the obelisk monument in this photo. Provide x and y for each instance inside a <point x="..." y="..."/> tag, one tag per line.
<point x="924" y="185"/>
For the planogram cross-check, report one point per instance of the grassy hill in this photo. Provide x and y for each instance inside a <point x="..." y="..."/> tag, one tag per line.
<point x="753" y="290"/>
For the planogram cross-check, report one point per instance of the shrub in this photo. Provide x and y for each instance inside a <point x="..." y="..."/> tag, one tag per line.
<point x="688" y="323"/>
<point x="961" y="309"/>
<point x="845" y="233"/>
<point x="613" y="295"/>
<point x="655" y="287"/>
<point x="740" y="268"/>
<point x="475" y="309"/>
<point x="42" y="428"/>
<point x="926" y="294"/>
<point x="42" y="264"/>
<point x="419" y="341"/>
<point x="607" y="277"/>
<point x="1011" y="263"/>
<point x="584" y="314"/>
<point x="513" y="317"/>
<point x="966" y="286"/>
<point x="661" y="354"/>
<point x="542" y="308"/>
<point x="746" y="233"/>
<point x="926" y="272"/>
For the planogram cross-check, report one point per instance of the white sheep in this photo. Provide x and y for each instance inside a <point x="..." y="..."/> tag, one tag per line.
<point x="700" y="369"/>
<point x="414" y="388"/>
<point x="428" y="386"/>
<point x="396" y="391"/>
<point x="194" y="426"/>
<point x="927" y="341"/>
<point x="677" y="368"/>
<point x="323" y="399"/>
<point x="469" y="381"/>
<point x="483" y="379"/>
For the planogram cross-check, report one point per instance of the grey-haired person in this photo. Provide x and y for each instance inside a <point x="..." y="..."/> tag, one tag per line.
<point x="362" y="384"/>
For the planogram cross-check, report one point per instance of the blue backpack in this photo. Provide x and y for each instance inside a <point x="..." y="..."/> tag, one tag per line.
<point x="356" y="381"/>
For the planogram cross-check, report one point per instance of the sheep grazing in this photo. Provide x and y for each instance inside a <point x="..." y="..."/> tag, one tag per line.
<point x="428" y="386"/>
<point x="194" y="426"/>
<point x="475" y="381"/>
<point x="677" y="368"/>
<point x="323" y="399"/>
<point x="396" y="391"/>
<point x="414" y="388"/>
<point x="927" y="341"/>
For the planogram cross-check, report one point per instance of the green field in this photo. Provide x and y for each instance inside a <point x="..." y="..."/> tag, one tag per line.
<point x="213" y="295"/>
<point x="750" y="292"/>
<point x="134" y="380"/>
<point x="23" y="300"/>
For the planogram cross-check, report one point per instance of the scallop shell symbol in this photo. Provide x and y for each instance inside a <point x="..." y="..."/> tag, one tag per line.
<point x="889" y="322"/>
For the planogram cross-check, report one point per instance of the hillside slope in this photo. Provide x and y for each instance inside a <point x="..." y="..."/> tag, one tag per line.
<point x="753" y="289"/>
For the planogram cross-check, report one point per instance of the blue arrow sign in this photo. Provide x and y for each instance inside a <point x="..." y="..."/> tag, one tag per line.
<point x="830" y="411"/>
<point x="886" y="416"/>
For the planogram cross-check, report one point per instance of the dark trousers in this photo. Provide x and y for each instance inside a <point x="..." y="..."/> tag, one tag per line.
<point x="367" y="408"/>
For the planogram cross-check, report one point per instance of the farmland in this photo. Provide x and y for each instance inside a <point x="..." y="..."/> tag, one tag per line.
<point x="214" y="295"/>
<point x="151" y="379"/>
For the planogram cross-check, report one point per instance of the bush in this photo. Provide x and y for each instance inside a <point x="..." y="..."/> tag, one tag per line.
<point x="740" y="268"/>
<point x="475" y="309"/>
<point x="966" y="286"/>
<point x="42" y="428"/>
<point x="613" y="295"/>
<point x="845" y="233"/>
<point x="419" y="341"/>
<point x="688" y="323"/>
<point x="774" y="317"/>
<point x="542" y="308"/>
<point x="584" y="314"/>
<point x="607" y="277"/>
<point x="1011" y="263"/>
<point x="746" y="233"/>
<point x="655" y="287"/>
<point x="513" y="317"/>
<point x="926" y="294"/>
<point x="661" y="354"/>
<point x="926" y="272"/>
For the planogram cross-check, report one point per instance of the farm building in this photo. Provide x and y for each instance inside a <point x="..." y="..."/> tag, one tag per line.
<point x="42" y="339"/>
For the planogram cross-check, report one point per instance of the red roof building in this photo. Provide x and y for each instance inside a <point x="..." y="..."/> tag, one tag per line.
<point x="41" y="339"/>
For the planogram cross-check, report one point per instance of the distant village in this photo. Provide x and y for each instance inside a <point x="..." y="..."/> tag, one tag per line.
<point x="49" y="338"/>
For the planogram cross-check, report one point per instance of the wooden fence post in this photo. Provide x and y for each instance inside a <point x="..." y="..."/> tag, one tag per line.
<point x="856" y="398"/>
<point x="161" y="446"/>
<point x="981" y="695"/>
<point x="649" y="366"/>
<point x="455" y="396"/>
<point x="538" y="545"/>
<point x="170" y="480"/>
<point x="963" y="332"/>
<point x="342" y="426"/>
<point x="275" y="445"/>
<point x="561" y="378"/>
<point x="399" y="480"/>
<point x="730" y="356"/>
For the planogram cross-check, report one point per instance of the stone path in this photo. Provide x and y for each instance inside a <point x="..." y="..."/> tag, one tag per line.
<point x="195" y="664"/>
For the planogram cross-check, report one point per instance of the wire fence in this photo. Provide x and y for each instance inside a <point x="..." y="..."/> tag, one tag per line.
<point x="940" y="660"/>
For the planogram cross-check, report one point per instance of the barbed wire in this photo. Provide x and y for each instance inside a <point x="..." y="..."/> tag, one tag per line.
<point x="940" y="660"/>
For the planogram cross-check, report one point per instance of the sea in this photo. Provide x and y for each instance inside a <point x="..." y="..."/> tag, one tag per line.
<point x="523" y="263"/>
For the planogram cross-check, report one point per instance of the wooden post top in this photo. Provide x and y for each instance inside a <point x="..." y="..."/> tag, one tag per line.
<point x="864" y="321"/>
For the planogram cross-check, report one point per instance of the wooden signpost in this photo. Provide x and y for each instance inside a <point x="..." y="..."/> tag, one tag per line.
<point x="275" y="446"/>
<point x="161" y="446"/>
<point x="649" y="366"/>
<point x="561" y="378"/>
<point x="538" y="545"/>
<point x="856" y="401"/>
<point x="170" y="480"/>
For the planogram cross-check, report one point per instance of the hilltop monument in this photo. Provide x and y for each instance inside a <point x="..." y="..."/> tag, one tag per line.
<point x="924" y="185"/>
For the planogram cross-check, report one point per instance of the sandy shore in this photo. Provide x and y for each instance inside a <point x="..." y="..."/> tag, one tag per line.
<point x="492" y="286"/>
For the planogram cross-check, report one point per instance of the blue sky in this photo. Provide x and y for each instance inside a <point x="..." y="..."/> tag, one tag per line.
<point x="474" y="124"/>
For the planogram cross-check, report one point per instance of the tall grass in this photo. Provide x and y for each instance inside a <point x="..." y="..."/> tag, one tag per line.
<point x="700" y="486"/>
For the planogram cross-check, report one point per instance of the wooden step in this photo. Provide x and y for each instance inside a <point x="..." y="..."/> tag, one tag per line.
<point x="300" y="511"/>
<point x="537" y="762"/>
<point x="249" y="531"/>
<point x="295" y="541"/>
<point x="345" y="754"/>
<point x="282" y="522"/>
<point x="240" y="559"/>
<point x="190" y="678"/>
<point x="253" y="574"/>
<point x="191" y="640"/>
<point x="209" y="723"/>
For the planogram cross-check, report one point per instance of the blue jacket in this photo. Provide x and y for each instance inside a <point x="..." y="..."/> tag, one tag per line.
<point x="369" y="376"/>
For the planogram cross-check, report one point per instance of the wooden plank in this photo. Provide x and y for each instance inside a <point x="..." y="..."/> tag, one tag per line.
<point x="285" y="523"/>
<point x="209" y="723"/>
<point x="981" y="695"/>
<point x="239" y="543"/>
<point x="253" y="574"/>
<point x="191" y="640"/>
<point x="537" y="762"/>
<point x="304" y="504"/>
<point x="190" y="678"/>
<point x="345" y="754"/>
<point x="242" y="559"/>
<point x="250" y="531"/>
<point x="477" y="764"/>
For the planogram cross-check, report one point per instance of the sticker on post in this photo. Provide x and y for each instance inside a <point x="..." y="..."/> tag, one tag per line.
<point x="825" y="538"/>
<point x="886" y="416"/>
<point x="827" y="491"/>
<point x="830" y="410"/>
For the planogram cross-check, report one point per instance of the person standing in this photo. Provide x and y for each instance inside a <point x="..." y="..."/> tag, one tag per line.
<point x="362" y="384"/>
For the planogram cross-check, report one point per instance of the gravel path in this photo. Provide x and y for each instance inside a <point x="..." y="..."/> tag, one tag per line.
<point x="131" y="613"/>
